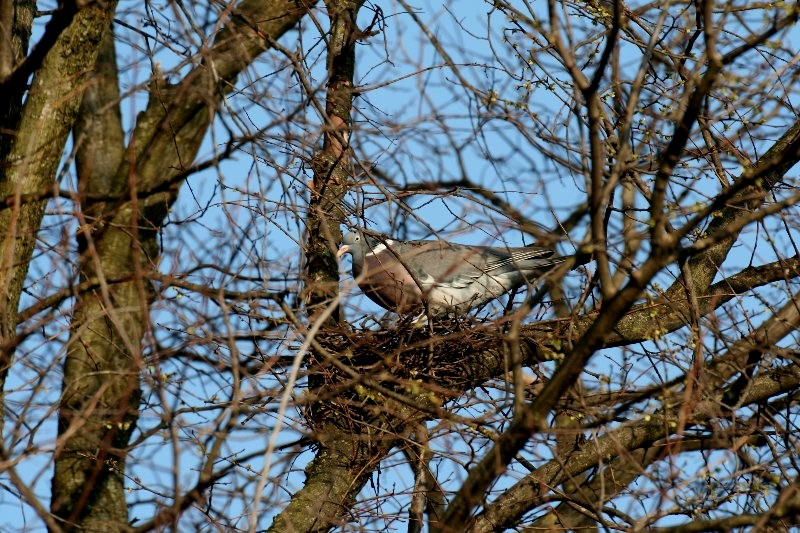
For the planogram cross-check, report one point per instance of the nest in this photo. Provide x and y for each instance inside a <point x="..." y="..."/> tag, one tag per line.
<point x="362" y="373"/>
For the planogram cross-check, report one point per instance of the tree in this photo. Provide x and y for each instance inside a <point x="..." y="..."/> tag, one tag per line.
<point x="179" y="352"/>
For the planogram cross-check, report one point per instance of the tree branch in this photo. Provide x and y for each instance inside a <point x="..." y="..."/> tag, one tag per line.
<point x="524" y="495"/>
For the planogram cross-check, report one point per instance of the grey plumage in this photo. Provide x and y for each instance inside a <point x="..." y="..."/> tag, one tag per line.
<point x="403" y="275"/>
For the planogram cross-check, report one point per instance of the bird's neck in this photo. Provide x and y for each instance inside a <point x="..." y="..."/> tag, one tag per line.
<point x="357" y="268"/>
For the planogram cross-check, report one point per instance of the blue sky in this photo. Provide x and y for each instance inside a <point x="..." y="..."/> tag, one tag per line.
<point x="414" y="122"/>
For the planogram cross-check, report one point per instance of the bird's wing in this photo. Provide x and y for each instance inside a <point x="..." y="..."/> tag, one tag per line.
<point x="458" y="266"/>
<point x="522" y="258"/>
<point x="442" y="263"/>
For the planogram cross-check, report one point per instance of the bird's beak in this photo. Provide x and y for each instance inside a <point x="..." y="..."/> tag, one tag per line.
<point x="343" y="250"/>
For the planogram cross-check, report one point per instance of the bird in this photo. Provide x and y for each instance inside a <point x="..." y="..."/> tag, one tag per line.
<point x="440" y="277"/>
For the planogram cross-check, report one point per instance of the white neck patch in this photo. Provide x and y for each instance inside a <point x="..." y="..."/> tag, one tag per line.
<point x="381" y="247"/>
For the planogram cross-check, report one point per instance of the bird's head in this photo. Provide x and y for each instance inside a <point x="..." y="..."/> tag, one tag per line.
<point x="357" y="244"/>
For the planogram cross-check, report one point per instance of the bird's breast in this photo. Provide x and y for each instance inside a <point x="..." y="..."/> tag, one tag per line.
<point x="388" y="283"/>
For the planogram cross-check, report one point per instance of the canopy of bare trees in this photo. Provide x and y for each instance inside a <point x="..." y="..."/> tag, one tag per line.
<point x="181" y="350"/>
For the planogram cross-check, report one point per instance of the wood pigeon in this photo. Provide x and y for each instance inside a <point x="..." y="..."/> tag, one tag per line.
<point x="402" y="276"/>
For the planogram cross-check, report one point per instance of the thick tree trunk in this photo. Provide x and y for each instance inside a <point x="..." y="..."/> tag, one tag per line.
<point x="33" y="148"/>
<point x="124" y="203"/>
<point x="99" y="403"/>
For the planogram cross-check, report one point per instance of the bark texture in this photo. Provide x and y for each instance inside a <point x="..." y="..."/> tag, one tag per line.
<point x="126" y="193"/>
